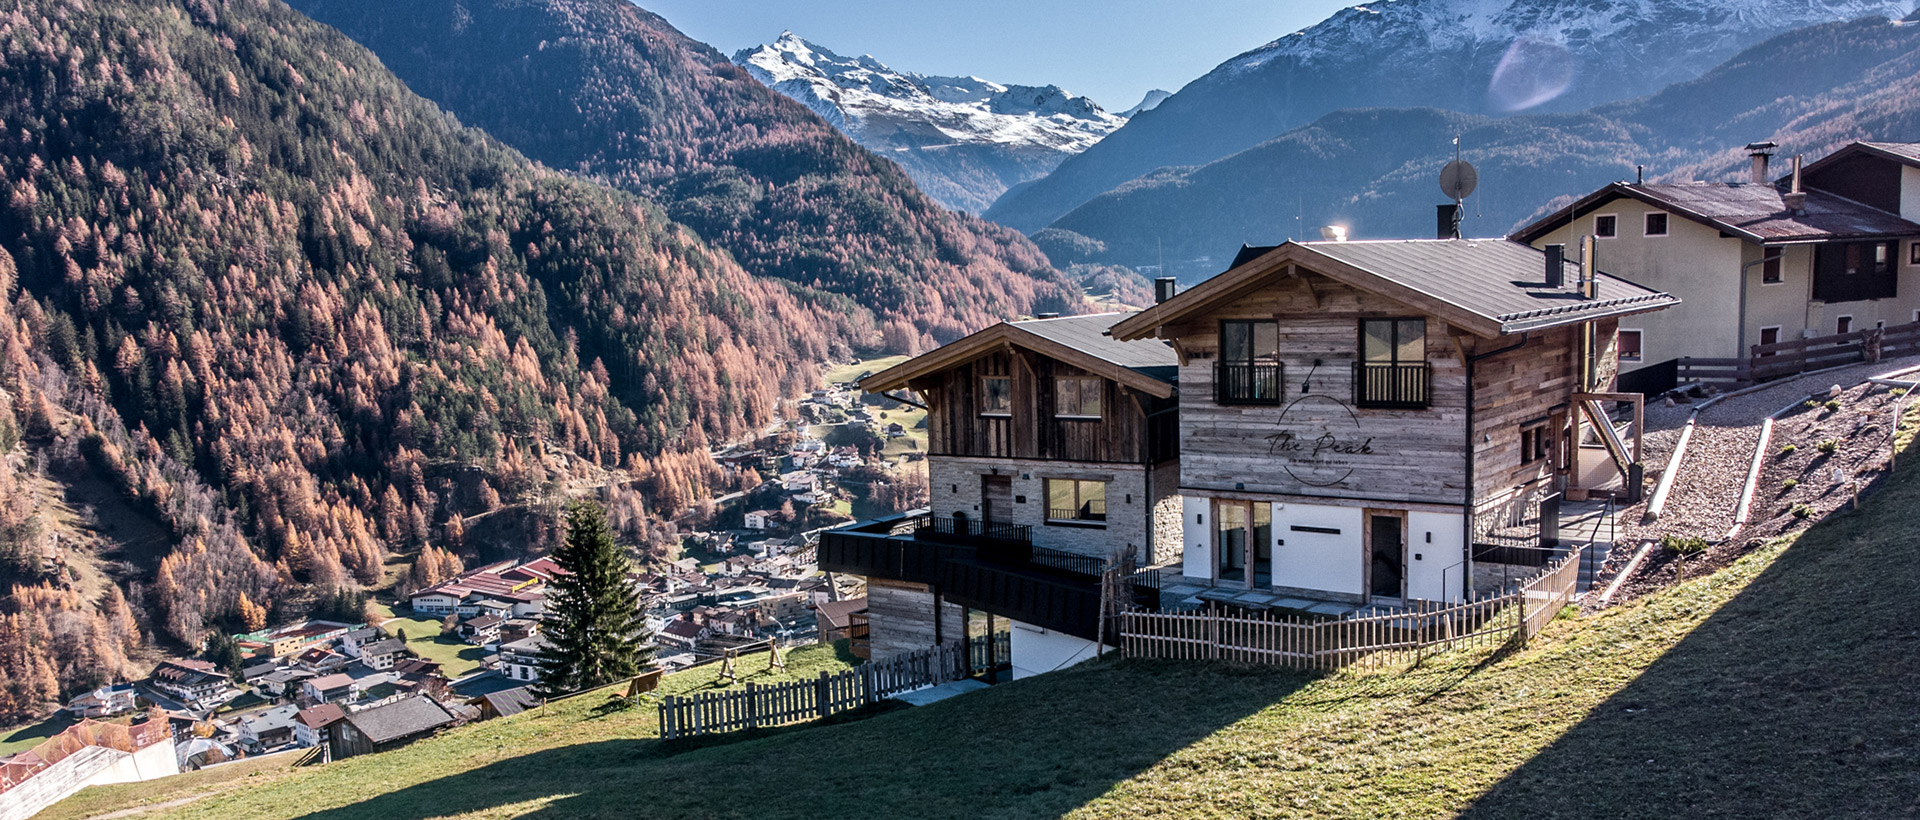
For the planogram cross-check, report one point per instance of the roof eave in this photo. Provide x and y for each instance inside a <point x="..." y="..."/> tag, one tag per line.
<point x="1544" y="322"/>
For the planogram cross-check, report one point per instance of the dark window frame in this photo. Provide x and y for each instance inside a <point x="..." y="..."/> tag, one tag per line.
<point x="1646" y="223"/>
<point x="1081" y="513"/>
<point x="1640" y="346"/>
<point x="986" y="408"/>
<point x="1256" y="379"/>
<point x="1851" y="271"/>
<point x="1535" y="442"/>
<point x="1410" y="381"/>
<point x="1772" y="266"/>
<point x="1100" y="408"/>
<point x="1613" y="226"/>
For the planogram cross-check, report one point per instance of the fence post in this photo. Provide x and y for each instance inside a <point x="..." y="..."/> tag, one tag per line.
<point x="753" y="705"/>
<point x="821" y="695"/>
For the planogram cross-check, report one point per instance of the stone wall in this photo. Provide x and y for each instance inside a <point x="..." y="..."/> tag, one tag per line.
<point x="955" y="488"/>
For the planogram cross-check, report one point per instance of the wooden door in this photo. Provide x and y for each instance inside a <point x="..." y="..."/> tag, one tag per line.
<point x="1387" y="569"/>
<point x="996" y="499"/>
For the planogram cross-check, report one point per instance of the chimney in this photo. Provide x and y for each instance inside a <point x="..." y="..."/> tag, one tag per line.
<point x="1047" y="316"/>
<point x="1164" y="288"/>
<point x="1556" y="266"/>
<point x="1447" y="222"/>
<point x="1795" y="199"/>
<point x="1761" y="153"/>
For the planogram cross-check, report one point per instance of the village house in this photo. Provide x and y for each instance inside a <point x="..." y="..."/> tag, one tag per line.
<point x="519" y="586"/>
<point x="521" y="660"/>
<point x="198" y="684"/>
<point x="351" y="642"/>
<point x="105" y="701"/>
<point x="481" y="630"/>
<point x="756" y="519"/>
<point x="290" y="640"/>
<point x="838" y="620"/>
<point x="321" y="660"/>
<point x="1052" y="456"/>
<point x="388" y="727"/>
<point x="382" y="654"/>
<point x="268" y="729"/>
<point x="1827" y="249"/>
<point x="683" y="633"/>
<point x="284" y="682"/>
<point x="1358" y="418"/>
<point x="334" y="688"/>
<point x="256" y="668"/>
<point x="312" y="724"/>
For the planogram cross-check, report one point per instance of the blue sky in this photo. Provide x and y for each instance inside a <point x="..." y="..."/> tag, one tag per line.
<point x="1111" y="50"/>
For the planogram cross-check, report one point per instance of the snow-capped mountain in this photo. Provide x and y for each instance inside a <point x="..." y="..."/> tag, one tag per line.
<point x="965" y="140"/>
<point x="1153" y="100"/>
<point x="1474" y="56"/>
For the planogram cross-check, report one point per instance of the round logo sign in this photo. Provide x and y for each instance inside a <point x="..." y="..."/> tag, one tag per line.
<point x="1319" y="441"/>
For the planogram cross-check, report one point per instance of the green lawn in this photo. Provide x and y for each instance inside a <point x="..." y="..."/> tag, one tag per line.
<point x="848" y="372"/>
<point x="456" y="657"/>
<point x="22" y="738"/>
<point x="1783" y="686"/>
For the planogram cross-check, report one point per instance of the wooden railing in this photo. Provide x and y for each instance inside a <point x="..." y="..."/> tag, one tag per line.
<point x="1372" y="641"/>
<point x="1791" y="358"/>
<point x="759" y="706"/>
<point x="1392" y="385"/>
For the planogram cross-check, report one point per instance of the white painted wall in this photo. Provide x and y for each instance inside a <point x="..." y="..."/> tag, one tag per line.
<point x="1319" y="561"/>
<point x="1910" y="194"/>
<point x="1436" y="561"/>
<point x="1038" y="651"/>
<point x="1196" y="527"/>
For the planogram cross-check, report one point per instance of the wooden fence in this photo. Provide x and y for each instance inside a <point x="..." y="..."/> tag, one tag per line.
<point x="1373" y="641"/>
<point x="1791" y="358"/>
<point x="766" y="705"/>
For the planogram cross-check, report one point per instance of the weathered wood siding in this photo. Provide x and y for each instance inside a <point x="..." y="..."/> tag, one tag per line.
<point x="1413" y="455"/>
<point x="1123" y="433"/>
<point x="1408" y="455"/>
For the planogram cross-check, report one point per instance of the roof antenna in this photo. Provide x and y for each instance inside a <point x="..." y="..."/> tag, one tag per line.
<point x="1457" y="180"/>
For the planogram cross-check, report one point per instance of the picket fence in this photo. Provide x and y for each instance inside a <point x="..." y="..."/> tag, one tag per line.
<point x="1400" y="637"/>
<point x="758" y="706"/>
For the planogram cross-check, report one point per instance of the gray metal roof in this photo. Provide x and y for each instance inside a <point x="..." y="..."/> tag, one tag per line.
<point x="1088" y="334"/>
<point x="512" y="701"/>
<point x="402" y="718"/>
<point x="1907" y="151"/>
<point x="1495" y="278"/>
<point x="1759" y="211"/>
<point x="382" y="647"/>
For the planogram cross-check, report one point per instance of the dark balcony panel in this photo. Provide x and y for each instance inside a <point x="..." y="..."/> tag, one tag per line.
<point x="1407" y="385"/>
<point x="1247" y="383"/>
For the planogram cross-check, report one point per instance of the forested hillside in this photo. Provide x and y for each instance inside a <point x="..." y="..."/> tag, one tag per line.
<point x="297" y="320"/>
<point x="1375" y="170"/>
<point x="609" y="89"/>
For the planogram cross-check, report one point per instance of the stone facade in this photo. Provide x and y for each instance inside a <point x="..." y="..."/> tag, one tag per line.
<point x="955" y="489"/>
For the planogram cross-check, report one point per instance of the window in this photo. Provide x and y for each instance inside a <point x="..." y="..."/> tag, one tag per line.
<point x="1249" y="370"/>
<point x="1854" y="271"/>
<point x="1844" y="325"/>
<point x="1629" y="346"/>
<point x="1770" y="268"/>
<point x="1769" y="336"/>
<point x="1656" y="224"/>
<point x="1535" y="442"/>
<point x="996" y="395"/>
<point x="1074" y="500"/>
<point x="1913" y="254"/>
<point x="1392" y="371"/>
<point x="1077" y="397"/>
<point x="1606" y="225"/>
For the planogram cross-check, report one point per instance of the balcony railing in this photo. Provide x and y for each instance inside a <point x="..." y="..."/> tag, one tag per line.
<point x="1407" y="385"/>
<point x="1092" y="511"/>
<point x="1246" y="383"/>
<point x="953" y="530"/>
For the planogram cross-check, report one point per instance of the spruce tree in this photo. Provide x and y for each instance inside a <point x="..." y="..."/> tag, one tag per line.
<point x="594" y="628"/>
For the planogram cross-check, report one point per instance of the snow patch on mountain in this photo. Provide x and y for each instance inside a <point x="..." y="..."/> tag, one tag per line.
<point x="1153" y="100"/>
<point x="868" y="100"/>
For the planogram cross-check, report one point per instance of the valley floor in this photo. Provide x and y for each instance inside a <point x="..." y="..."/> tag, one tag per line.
<point x="1784" y="685"/>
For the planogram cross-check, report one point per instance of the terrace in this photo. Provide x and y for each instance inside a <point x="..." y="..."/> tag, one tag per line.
<point x="991" y="567"/>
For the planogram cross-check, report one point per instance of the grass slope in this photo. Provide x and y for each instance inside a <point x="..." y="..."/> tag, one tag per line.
<point x="1785" y="685"/>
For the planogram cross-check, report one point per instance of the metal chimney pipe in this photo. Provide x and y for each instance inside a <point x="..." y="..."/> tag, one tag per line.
<point x="1164" y="288"/>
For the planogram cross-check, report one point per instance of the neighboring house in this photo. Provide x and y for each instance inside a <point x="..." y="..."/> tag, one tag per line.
<point x="480" y="630"/>
<point x="683" y="633"/>
<point x="506" y="703"/>
<point x="1051" y="446"/>
<point x="195" y="683"/>
<point x="381" y="654"/>
<point x="519" y="586"/>
<point x="757" y="519"/>
<point x="284" y="682"/>
<point x="1355" y="415"/>
<point x="842" y="619"/>
<point x="321" y="660"/>
<point x="312" y="724"/>
<point x="255" y="669"/>
<point x="291" y="640"/>
<point x="521" y="659"/>
<point x="1755" y="262"/>
<point x="274" y="727"/>
<point x="387" y="727"/>
<point x="105" y="701"/>
<point x="351" y="642"/>
<point x="335" y="688"/>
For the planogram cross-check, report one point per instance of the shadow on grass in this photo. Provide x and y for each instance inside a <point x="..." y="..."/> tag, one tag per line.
<point x="1798" y="698"/>
<point x="1032" y="748"/>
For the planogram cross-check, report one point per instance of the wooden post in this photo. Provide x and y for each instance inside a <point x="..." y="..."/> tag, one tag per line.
<point x="753" y="706"/>
<point x="726" y="666"/>
<point x="775" y="658"/>
<point x="822" y="694"/>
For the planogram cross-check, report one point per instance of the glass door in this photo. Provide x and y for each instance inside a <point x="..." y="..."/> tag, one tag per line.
<point x="989" y="646"/>
<point x="1232" y="540"/>
<point x="1262" y="538"/>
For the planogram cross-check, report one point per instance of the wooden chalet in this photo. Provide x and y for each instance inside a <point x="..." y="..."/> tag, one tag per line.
<point x="1358" y="419"/>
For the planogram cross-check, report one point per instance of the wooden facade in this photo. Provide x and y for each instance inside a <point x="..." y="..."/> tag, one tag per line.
<point x="1133" y="427"/>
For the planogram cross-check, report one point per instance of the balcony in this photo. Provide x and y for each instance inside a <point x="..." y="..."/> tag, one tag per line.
<point x="1395" y="385"/>
<point x="993" y="568"/>
<point x="1246" y="383"/>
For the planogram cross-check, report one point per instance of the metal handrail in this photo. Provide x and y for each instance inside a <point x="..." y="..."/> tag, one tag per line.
<point x="1247" y="383"/>
<point x="1392" y="385"/>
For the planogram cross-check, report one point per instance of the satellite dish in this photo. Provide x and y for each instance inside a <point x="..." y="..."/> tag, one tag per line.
<point x="1458" y="179"/>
